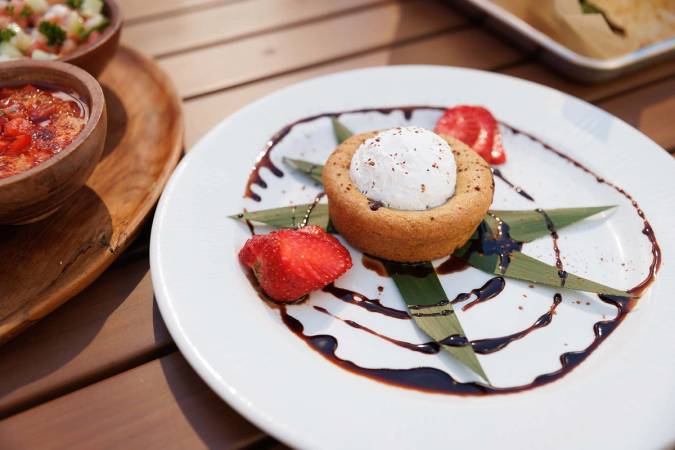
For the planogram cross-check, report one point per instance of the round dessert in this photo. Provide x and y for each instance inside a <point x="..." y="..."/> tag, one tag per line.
<point x="394" y="194"/>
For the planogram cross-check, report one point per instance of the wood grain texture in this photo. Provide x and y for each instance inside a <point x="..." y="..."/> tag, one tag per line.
<point x="160" y="405"/>
<point x="143" y="10"/>
<point x="650" y="109"/>
<point x="218" y="67"/>
<point x="112" y="325"/>
<point x="470" y="47"/>
<point x="539" y="73"/>
<point x="229" y="21"/>
<point x="48" y="262"/>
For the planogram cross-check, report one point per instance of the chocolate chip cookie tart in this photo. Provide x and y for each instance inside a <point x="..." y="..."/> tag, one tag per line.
<point x="407" y="194"/>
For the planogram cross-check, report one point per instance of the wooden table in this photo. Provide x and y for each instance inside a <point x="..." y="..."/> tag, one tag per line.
<point x="102" y="371"/>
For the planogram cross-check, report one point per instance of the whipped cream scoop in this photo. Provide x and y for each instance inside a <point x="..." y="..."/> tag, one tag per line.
<point x="407" y="168"/>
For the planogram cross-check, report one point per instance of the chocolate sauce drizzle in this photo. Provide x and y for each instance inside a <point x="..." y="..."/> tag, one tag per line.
<point x="647" y="230"/>
<point x="452" y="265"/>
<point x="502" y="245"/>
<point x="492" y="345"/>
<point x="264" y="160"/>
<point x="375" y="265"/>
<point x="374" y="205"/>
<point x="429" y="348"/>
<point x="311" y="207"/>
<point x="562" y="274"/>
<point x="492" y="288"/>
<point x="481" y="346"/>
<point x="498" y="173"/>
<point x="430" y="379"/>
<point x="360" y="300"/>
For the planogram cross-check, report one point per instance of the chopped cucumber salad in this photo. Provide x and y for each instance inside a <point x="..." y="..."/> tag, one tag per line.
<point x="48" y="29"/>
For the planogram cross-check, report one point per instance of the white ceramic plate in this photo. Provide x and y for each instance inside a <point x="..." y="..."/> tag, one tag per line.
<point x="622" y="396"/>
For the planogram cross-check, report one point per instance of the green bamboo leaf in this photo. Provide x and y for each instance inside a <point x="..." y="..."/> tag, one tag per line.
<point x="342" y="133"/>
<point x="525" y="226"/>
<point x="432" y="312"/>
<point x="528" y="225"/>
<point x="288" y="216"/>
<point x="526" y="268"/>
<point x="310" y="169"/>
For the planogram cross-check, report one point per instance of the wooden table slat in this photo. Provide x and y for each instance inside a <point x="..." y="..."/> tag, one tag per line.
<point x="143" y="10"/>
<point x="650" y="109"/>
<point x="218" y="67"/>
<point x="471" y="47"/>
<point x="110" y="326"/>
<point x="160" y="405"/>
<point x="539" y="73"/>
<point x="229" y="21"/>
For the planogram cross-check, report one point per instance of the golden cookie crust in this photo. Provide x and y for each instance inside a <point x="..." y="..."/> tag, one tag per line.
<point x="408" y="236"/>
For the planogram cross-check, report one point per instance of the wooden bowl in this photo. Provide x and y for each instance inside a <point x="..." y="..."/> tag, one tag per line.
<point x="95" y="57"/>
<point x="34" y="194"/>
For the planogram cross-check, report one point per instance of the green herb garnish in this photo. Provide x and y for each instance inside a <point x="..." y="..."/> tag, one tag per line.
<point x="6" y="34"/>
<point x="26" y="11"/>
<point x="75" y="4"/>
<point x="55" y="34"/>
<point x="85" y="33"/>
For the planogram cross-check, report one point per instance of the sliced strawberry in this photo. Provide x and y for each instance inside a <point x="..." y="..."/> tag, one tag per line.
<point x="248" y="255"/>
<point x="477" y="128"/>
<point x="291" y="263"/>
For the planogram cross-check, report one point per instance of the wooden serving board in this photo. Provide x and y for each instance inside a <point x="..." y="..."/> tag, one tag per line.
<point x="42" y="265"/>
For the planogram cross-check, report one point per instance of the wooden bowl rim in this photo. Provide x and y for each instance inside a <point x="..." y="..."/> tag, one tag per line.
<point x="110" y="31"/>
<point x="93" y="90"/>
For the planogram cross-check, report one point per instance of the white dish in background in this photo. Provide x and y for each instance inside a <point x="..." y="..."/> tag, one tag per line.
<point x="620" y="397"/>
<point x="578" y="66"/>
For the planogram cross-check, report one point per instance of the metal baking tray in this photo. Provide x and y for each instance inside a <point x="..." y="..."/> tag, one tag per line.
<point x="579" y="67"/>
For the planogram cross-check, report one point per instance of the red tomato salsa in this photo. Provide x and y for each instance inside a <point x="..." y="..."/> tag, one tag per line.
<point x="35" y="124"/>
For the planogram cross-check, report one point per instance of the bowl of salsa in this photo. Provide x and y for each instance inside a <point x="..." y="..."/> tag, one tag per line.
<point x="52" y="133"/>
<point x="81" y="32"/>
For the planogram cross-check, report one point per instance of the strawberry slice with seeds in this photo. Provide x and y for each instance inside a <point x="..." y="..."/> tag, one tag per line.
<point x="291" y="263"/>
<point x="477" y="128"/>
